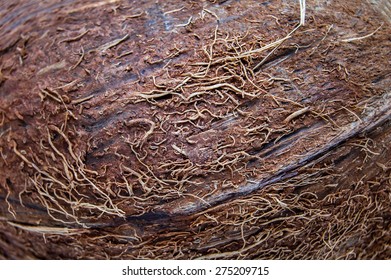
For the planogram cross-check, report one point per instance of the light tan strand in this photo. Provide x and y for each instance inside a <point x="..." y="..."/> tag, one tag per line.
<point x="48" y="230"/>
<point x="353" y="113"/>
<point x="74" y="38"/>
<point x="185" y="24"/>
<point x="10" y="208"/>
<point x="36" y="167"/>
<point x="81" y="100"/>
<point x="173" y="11"/>
<point x="82" y="53"/>
<point x="296" y="114"/>
<point x="151" y="123"/>
<point x="179" y="150"/>
<point x="90" y="6"/>
<point x="59" y="131"/>
<point x="113" y="43"/>
<point x="362" y="37"/>
<point x="211" y="13"/>
<point x="53" y="67"/>
<point x="281" y="41"/>
<point x="134" y="16"/>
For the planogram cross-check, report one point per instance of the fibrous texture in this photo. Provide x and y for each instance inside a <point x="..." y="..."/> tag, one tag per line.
<point x="195" y="129"/>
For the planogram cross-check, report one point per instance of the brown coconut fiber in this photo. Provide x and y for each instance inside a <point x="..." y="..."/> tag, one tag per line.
<point x="195" y="129"/>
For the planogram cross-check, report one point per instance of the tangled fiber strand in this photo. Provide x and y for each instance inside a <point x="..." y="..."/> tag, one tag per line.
<point x="238" y="149"/>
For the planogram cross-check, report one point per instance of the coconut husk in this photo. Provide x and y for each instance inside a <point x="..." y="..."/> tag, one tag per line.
<point x="195" y="129"/>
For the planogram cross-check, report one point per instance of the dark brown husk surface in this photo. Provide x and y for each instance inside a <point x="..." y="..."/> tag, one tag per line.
<point x="177" y="130"/>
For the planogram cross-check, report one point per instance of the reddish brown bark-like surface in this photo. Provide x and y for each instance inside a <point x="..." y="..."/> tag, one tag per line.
<point x="195" y="129"/>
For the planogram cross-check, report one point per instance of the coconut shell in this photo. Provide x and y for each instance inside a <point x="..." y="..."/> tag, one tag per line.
<point x="195" y="129"/>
